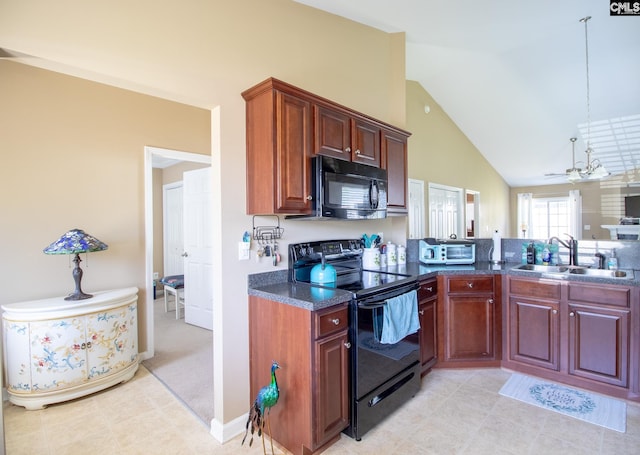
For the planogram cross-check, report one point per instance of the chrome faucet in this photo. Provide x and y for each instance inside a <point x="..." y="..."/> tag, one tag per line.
<point x="601" y="260"/>
<point x="572" y="245"/>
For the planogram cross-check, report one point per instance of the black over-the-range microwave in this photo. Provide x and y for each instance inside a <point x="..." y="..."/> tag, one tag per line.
<point x="346" y="190"/>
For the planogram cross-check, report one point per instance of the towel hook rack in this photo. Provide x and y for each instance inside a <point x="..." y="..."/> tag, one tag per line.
<point x="267" y="234"/>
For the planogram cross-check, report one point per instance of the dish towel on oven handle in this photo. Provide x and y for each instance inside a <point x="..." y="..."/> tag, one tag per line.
<point x="399" y="317"/>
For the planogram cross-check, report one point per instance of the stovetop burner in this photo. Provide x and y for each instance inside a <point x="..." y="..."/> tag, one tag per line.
<point x="346" y="257"/>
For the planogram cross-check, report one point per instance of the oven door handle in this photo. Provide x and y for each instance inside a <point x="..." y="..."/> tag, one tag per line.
<point x="378" y="300"/>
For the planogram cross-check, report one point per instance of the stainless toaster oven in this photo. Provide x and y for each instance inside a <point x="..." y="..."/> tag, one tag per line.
<point x="447" y="252"/>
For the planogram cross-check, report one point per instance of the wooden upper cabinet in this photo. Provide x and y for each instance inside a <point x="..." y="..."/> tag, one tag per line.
<point x="340" y="134"/>
<point x="332" y="133"/>
<point x="394" y="160"/>
<point x="286" y="126"/>
<point x="293" y="140"/>
<point x="366" y="142"/>
<point x="279" y="133"/>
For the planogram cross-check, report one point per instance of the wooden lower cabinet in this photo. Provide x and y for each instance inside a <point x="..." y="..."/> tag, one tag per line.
<point x="427" y="307"/>
<point x="599" y="319"/>
<point x="332" y="385"/>
<point x="534" y="324"/>
<point x="312" y="348"/>
<point x="469" y="321"/>
<point x="573" y="332"/>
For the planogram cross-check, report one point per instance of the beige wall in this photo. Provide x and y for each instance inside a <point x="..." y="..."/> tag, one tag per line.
<point x="73" y="157"/>
<point x="66" y="135"/>
<point x="441" y="153"/>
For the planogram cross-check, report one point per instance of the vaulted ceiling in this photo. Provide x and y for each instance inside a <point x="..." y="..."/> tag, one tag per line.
<point x="513" y="76"/>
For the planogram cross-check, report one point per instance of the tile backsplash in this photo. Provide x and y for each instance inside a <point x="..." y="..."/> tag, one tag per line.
<point x="627" y="251"/>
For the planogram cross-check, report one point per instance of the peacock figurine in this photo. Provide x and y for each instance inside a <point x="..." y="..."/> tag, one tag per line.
<point x="267" y="397"/>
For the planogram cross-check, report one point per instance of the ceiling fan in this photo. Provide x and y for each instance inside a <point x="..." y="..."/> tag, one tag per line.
<point x="592" y="171"/>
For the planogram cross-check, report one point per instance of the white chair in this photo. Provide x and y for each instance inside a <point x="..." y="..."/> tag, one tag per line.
<point x="178" y="299"/>
<point x="174" y="285"/>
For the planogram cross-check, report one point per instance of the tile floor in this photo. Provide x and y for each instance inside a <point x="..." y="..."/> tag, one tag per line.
<point x="456" y="412"/>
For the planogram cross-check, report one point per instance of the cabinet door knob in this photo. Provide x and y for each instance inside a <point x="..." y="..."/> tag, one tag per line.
<point x="469" y="285"/>
<point x="357" y="151"/>
<point x="336" y="321"/>
<point x="347" y="345"/>
<point x="490" y="300"/>
<point x="309" y="198"/>
<point x="348" y="150"/>
<point x="421" y="312"/>
<point x="185" y="254"/>
<point x="430" y="289"/>
<point x="572" y="314"/>
<point x="555" y="311"/>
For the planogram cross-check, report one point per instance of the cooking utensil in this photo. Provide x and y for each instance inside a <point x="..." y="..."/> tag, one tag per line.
<point x="370" y="242"/>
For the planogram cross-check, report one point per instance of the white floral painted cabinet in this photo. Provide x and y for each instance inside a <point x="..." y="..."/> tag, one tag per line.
<point x="57" y="350"/>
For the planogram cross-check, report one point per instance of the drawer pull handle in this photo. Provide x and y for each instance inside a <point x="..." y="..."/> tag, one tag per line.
<point x="347" y="345"/>
<point x="336" y="321"/>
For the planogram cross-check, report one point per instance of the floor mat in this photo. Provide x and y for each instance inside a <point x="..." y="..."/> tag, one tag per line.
<point x="589" y="407"/>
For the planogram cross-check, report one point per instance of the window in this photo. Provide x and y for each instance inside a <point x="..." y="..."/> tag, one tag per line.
<point x="550" y="216"/>
<point x="543" y="217"/>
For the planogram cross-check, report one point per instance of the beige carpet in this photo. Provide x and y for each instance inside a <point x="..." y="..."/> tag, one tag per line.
<point x="183" y="361"/>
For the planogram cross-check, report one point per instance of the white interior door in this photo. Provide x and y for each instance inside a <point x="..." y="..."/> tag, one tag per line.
<point x="198" y="248"/>
<point x="446" y="212"/>
<point x="173" y="228"/>
<point x="416" y="209"/>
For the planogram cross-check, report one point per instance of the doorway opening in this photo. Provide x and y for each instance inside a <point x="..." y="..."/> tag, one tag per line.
<point x="163" y="329"/>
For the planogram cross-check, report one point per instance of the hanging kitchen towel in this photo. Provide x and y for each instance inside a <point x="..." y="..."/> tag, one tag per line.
<point x="378" y="321"/>
<point x="400" y="317"/>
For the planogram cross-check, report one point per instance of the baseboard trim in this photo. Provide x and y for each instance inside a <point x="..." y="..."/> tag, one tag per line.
<point x="225" y="432"/>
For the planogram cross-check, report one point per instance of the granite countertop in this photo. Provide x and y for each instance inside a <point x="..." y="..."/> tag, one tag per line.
<point x="274" y="286"/>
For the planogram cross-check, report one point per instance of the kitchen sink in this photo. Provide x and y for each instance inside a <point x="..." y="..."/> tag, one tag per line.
<point x="576" y="270"/>
<point x="543" y="268"/>
<point x="626" y="274"/>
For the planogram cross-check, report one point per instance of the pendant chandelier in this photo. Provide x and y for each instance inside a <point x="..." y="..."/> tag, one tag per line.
<point x="594" y="169"/>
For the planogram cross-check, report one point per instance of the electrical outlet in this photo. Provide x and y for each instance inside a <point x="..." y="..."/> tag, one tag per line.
<point x="156" y="275"/>
<point x="244" y="251"/>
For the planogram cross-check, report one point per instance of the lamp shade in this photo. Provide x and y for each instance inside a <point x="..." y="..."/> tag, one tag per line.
<point x="574" y="176"/>
<point x="75" y="241"/>
<point x="599" y="173"/>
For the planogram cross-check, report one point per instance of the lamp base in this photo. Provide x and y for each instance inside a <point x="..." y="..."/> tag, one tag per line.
<point x="78" y="296"/>
<point x="77" y="278"/>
